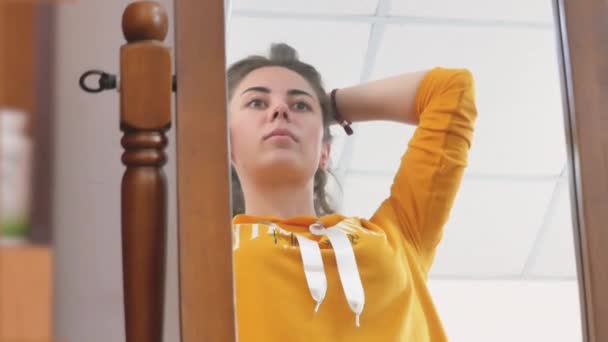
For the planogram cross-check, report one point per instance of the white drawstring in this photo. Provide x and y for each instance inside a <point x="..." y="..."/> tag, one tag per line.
<point x="237" y="237"/>
<point x="313" y="269"/>
<point x="254" y="231"/>
<point x="347" y="266"/>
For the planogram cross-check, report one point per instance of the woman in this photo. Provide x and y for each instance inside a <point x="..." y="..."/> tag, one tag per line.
<point x="304" y="273"/>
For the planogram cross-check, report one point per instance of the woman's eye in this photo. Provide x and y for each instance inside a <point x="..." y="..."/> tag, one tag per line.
<point x="302" y="106"/>
<point x="256" y="103"/>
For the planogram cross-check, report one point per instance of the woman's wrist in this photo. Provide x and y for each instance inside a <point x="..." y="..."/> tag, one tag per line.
<point x="337" y="115"/>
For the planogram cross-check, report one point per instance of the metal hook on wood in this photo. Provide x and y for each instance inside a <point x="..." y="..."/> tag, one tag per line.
<point x="106" y="81"/>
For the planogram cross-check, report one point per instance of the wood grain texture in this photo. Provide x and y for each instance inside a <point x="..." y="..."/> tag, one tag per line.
<point x="145" y="100"/>
<point x="204" y="215"/>
<point x="25" y="294"/>
<point x="26" y="59"/>
<point x="17" y="46"/>
<point x="583" y="36"/>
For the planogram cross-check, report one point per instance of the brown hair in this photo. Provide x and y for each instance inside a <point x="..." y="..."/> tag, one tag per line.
<point x="285" y="56"/>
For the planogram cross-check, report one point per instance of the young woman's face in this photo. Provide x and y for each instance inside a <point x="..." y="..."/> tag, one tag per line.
<point x="276" y="127"/>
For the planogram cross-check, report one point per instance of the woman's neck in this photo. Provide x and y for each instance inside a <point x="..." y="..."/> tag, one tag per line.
<point x="281" y="200"/>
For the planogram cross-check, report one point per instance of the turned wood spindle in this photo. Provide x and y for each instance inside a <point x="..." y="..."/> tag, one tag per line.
<point x="145" y="98"/>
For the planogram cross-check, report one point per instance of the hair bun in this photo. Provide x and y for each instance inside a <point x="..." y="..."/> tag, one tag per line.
<point x="281" y="52"/>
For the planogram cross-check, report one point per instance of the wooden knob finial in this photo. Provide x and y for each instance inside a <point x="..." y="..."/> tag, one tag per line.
<point x="144" y="20"/>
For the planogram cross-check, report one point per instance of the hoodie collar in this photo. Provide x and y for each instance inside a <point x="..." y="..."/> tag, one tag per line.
<point x="300" y="221"/>
<point x="312" y="257"/>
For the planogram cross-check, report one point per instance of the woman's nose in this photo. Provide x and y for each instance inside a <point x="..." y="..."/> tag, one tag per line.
<point x="281" y="112"/>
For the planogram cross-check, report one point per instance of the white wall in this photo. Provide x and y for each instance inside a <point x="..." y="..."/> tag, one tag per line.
<point x="508" y="310"/>
<point x="88" y="279"/>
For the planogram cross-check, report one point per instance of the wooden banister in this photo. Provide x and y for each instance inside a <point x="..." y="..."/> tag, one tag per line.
<point x="145" y="105"/>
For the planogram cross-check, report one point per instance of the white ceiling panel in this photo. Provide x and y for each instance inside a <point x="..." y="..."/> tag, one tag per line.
<point x="538" y="11"/>
<point x="520" y="124"/>
<point x="492" y="228"/>
<point x="379" y="145"/>
<point x="554" y="256"/>
<point x="309" y="6"/>
<point x="363" y="194"/>
<point x="337" y="50"/>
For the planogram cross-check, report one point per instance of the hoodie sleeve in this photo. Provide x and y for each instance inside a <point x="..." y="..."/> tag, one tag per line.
<point x="431" y="169"/>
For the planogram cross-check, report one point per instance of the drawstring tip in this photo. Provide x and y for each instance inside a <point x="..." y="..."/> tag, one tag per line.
<point x="317" y="307"/>
<point x="357" y="321"/>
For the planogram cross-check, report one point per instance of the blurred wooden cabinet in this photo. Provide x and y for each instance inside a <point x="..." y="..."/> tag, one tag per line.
<point x="17" y="60"/>
<point x="25" y="294"/>
<point x="26" y="271"/>
<point x="26" y="79"/>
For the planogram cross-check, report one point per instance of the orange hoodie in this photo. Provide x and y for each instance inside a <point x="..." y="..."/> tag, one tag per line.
<point x="337" y="278"/>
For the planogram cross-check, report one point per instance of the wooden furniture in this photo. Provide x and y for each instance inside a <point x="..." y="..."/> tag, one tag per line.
<point x="17" y="58"/>
<point x="146" y="86"/>
<point x="26" y="60"/>
<point x="145" y="116"/>
<point x="205" y="255"/>
<point x="26" y="270"/>
<point x="25" y="294"/>
<point x="585" y="71"/>
<point x="200" y="33"/>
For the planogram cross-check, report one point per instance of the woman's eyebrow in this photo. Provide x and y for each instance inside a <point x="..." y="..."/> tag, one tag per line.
<point x="267" y="91"/>
<point x="260" y="89"/>
<point x="298" y="92"/>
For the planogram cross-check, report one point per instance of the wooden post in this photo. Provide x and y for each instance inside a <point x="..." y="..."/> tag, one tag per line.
<point x="204" y="214"/>
<point x="585" y="71"/>
<point x="145" y="104"/>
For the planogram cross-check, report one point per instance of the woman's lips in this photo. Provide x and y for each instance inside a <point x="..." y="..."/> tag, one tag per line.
<point x="280" y="132"/>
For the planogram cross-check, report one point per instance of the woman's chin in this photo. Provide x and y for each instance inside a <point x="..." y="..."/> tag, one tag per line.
<point x="279" y="156"/>
<point x="281" y="163"/>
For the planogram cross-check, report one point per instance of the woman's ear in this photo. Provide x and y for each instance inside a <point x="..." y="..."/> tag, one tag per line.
<point x="324" y="160"/>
